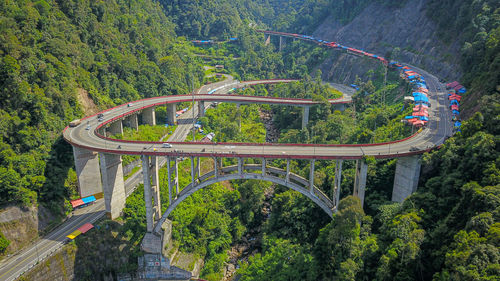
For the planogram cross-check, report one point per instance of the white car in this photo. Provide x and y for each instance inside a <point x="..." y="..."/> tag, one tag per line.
<point x="167" y="145"/>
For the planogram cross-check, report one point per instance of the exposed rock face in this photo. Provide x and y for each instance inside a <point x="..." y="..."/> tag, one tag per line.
<point x="379" y="29"/>
<point x="22" y="225"/>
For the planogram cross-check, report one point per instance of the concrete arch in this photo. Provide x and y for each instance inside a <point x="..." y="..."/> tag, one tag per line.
<point x="317" y="196"/>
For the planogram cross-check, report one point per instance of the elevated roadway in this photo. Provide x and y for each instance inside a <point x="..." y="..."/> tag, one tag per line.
<point x="87" y="134"/>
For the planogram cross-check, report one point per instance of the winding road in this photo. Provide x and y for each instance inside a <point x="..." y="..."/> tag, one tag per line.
<point x="439" y="127"/>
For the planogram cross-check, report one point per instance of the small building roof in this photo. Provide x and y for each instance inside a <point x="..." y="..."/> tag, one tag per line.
<point x="77" y="203"/>
<point x="86" y="227"/>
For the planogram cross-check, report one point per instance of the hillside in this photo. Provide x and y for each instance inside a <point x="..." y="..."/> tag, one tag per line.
<point x="58" y="59"/>
<point x="381" y="28"/>
<point x="454" y="41"/>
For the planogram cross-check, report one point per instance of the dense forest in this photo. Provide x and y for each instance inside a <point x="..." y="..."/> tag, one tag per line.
<point x="54" y="53"/>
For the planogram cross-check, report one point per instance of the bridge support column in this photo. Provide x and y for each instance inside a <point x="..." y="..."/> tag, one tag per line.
<point x="169" y="181"/>
<point x="263" y="167"/>
<point x="216" y="170"/>
<point x="287" y="176"/>
<point x="113" y="185"/>
<point x="87" y="171"/>
<point x="116" y="128"/>
<point x="192" y="171"/>
<point x="201" y="108"/>
<point x="311" y="177"/>
<point x="267" y="40"/>
<point x="360" y="180"/>
<point x="281" y="43"/>
<point x="156" y="188"/>
<point x="148" y="116"/>
<point x="238" y="108"/>
<point x="171" y="110"/>
<point x="132" y="122"/>
<point x="338" y="181"/>
<point x="198" y="168"/>
<point x="176" y="163"/>
<point x="240" y="166"/>
<point x="148" y="196"/>
<point x="406" y="177"/>
<point x="305" y="117"/>
<point x="340" y="107"/>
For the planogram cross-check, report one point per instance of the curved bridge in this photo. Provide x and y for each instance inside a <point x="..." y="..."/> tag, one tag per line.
<point x="90" y="137"/>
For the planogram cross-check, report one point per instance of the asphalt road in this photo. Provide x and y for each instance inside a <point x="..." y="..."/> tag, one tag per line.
<point x="433" y="135"/>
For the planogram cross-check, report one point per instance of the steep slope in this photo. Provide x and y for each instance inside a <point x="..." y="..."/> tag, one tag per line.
<point x="380" y="29"/>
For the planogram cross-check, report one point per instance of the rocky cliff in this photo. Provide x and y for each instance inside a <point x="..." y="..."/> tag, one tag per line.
<point x="380" y="29"/>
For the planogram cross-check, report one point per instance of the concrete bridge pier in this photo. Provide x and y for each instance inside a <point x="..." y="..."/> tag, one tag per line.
<point x="241" y="163"/>
<point x="169" y="181"/>
<point x="116" y="128"/>
<point x="360" y="180"/>
<point x="406" y="177"/>
<point x="337" y="183"/>
<point x="267" y="40"/>
<point x="340" y="106"/>
<point x="113" y="185"/>
<point x="149" y="116"/>
<point x="87" y="171"/>
<point x="311" y="177"/>
<point x="148" y="192"/>
<point x="201" y="109"/>
<point x="155" y="188"/>
<point x="281" y="43"/>
<point x="305" y="117"/>
<point x="171" y="110"/>
<point x="287" y="175"/>
<point x="238" y="110"/>
<point x="263" y="167"/>
<point x="198" y="167"/>
<point x="176" y="179"/>
<point x="216" y="170"/>
<point x="193" y="172"/>
<point x="132" y="122"/>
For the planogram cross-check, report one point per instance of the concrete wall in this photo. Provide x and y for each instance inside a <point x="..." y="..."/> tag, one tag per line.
<point x="87" y="171"/>
<point x="406" y="177"/>
<point x="113" y="185"/>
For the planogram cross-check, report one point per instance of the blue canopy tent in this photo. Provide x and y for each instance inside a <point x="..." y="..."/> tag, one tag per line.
<point x="454" y="102"/>
<point x="456" y="112"/>
<point x="88" y="200"/>
<point x="419" y="97"/>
